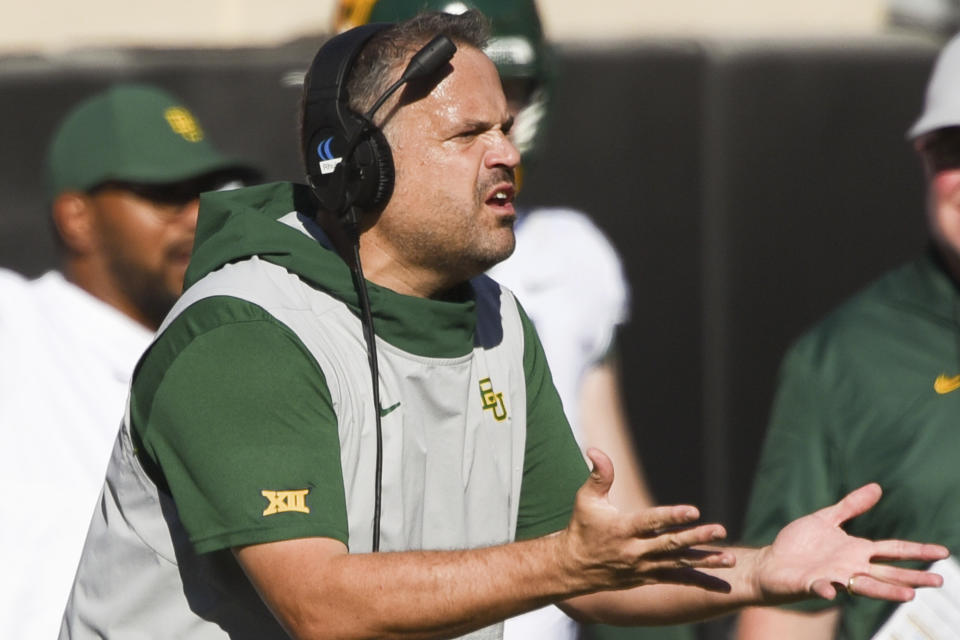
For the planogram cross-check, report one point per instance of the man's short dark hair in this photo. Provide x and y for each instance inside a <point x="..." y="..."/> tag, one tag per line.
<point x="376" y="66"/>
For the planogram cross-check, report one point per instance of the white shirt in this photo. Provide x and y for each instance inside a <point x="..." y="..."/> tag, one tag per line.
<point x="66" y="359"/>
<point x="568" y="278"/>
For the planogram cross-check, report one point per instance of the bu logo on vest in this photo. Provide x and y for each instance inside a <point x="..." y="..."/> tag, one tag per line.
<point x="492" y="400"/>
<point x="281" y="501"/>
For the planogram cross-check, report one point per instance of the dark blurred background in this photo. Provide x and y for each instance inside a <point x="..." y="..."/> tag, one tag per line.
<point x="749" y="186"/>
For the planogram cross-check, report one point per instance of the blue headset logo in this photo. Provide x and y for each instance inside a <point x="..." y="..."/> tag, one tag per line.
<point x="327" y="162"/>
<point x="323" y="149"/>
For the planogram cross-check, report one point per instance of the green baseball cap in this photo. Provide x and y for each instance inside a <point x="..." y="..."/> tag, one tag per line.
<point x="133" y="133"/>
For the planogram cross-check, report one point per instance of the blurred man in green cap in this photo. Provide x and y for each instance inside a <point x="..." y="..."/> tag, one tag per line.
<point x="561" y="257"/>
<point x="125" y="170"/>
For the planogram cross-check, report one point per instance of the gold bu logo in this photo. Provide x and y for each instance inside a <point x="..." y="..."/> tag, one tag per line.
<point x="183" y="124"/>
<point x="492" y="400"/>
<point x="281" y="501"/>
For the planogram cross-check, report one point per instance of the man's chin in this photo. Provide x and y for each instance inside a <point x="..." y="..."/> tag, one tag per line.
<point x="173" y="278"/>
<point x="503" y="250"/>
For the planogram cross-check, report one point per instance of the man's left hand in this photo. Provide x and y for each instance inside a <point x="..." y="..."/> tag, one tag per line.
<point x="813" y="555"/>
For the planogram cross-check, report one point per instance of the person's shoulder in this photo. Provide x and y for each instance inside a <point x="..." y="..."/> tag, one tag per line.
<point x="18" y="290"/>
<point x="11" y="280"/>
<point x="886" y="296"/>
<point x="270" y="197"/>
<point x="866" y="325"/>
<point x="563" y="263"/>
<point x="206" y="314"/>
<point x="15" y="293"/>
<point x="565" y="242"/>
<point x="207" y="331"/>
<point x="235" y="224"/>
<point x="565" y="227"/>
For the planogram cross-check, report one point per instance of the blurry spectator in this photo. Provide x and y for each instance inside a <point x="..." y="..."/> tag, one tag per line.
<point x="125" y="170"/>
<point x="871" y="394"/>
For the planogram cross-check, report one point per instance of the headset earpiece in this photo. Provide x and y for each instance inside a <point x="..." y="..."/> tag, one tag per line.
<point x="362" y="177"/>
<point x="365" y="179"/>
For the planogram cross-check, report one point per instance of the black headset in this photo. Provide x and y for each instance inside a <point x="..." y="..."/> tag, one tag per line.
<point x="342" y="177"/>
<point x="349" y="164"/>
<point x="350" y="168"/>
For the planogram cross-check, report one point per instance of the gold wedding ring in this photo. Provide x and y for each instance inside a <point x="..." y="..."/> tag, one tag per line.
<point x="850" y="584"/>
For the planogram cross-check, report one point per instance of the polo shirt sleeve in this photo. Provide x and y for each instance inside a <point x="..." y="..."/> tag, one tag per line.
<point x="232" y="416"/>
<point x="798" y="470"/>
<point x="554" y="468"/>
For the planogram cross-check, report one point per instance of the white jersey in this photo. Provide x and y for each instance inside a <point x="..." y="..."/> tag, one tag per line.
<point x="568" y="278"/>
<point x="65" y="364"/>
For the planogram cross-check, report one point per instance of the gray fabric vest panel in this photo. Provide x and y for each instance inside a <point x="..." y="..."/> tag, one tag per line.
<point x="451" y="471"/>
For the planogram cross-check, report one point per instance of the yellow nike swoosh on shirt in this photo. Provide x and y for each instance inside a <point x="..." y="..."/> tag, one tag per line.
<point x="944" y="384"/>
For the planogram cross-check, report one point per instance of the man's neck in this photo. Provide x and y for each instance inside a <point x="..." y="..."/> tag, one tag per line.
<point x="88" y="278"/>
<point x="951" y="263"/>
<point x="383" y="265"/>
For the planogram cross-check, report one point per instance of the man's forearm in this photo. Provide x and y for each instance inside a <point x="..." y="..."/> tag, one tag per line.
<point x="411" y="594"/>
<point x="660" y="604"/>
<point x="318" y="590"/>
<point x="760" y="623"/>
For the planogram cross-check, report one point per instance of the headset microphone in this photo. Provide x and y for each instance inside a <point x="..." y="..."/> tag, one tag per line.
<point x="428" y="60"/>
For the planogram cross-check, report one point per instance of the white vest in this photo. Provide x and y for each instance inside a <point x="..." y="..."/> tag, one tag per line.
<point x="452" y="467"/>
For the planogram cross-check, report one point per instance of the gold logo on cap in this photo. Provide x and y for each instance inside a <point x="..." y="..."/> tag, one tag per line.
<point x="183" y="124"/>
<point x="353" y="13"/>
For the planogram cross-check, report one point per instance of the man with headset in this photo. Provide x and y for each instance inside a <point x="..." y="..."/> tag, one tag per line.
<point x="564" y="270"/>
<point x="259" y="471"/>
<point x="881" y="373"/>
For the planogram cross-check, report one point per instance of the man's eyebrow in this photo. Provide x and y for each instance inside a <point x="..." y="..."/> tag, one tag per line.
<point x="484" y="125"/>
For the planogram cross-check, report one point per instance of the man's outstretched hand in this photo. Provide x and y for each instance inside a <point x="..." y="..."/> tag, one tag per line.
<point x="813" y="555"/>
<point x="611" y="549"/>
<point x="663" y="552"/>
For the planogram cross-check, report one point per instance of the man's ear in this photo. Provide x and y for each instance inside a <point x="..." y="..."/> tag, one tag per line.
<point x="73" y="218"/>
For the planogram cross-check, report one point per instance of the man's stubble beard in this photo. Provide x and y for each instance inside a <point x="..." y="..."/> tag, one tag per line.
<point x="152" y="292"/>
<point x="458" y="245"/>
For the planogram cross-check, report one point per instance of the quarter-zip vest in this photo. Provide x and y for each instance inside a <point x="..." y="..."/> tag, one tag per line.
<point x="452" y="467"/>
